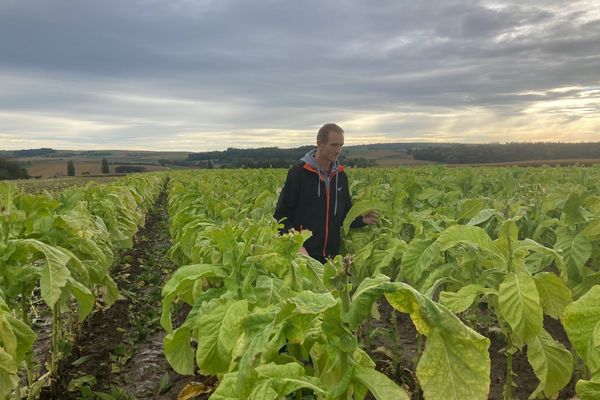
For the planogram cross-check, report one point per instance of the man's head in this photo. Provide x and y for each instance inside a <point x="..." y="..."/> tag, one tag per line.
<point x="330" y="140"/>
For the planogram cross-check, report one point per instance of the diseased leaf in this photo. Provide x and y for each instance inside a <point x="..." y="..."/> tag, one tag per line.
<point x="454" y="367"/>
<point x="192" y="390"/>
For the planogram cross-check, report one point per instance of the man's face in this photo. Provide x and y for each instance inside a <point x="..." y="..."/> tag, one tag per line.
<point x="333" y="148"/>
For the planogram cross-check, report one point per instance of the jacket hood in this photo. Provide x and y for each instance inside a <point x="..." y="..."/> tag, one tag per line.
<point x="310" y="159"/>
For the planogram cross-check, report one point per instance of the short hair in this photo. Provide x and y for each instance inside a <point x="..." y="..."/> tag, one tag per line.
<point x="323" y="135"/>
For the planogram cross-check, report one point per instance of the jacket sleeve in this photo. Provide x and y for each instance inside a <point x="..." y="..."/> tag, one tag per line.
<point x="288" y="199"/>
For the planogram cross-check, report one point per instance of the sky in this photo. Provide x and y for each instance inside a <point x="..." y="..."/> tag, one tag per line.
<point x="199" y="75"/>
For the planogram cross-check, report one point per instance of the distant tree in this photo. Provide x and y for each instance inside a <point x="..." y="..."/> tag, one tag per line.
<point x="125" y="169"/>
<point x="11" y="170"/>
<point x="70" y="168"/>
<point x="45" y="151"/>
<point x="105" y="166"/>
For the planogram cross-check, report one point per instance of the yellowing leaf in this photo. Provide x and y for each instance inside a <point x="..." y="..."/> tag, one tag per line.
<point x="193" y="390"/>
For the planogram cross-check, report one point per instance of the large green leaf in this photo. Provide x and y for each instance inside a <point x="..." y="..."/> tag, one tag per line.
<point x="308" y="307"/>
<point x="574" y="213"/>
<point x="469" y="208"/>
<point x="483" y="216"/>
<point x="473" y="236"/>
<point x="16" y="339"/>
<point x="271" y="382"/>
<point x="551" y="362"/>
<point x="84" y="296"/>
<point x="419" y="256"/>
<point x="382" y="387"/>
<point x="581" y="321"/>
<point x="218" y="331"/>
<point x="588" y="390"/>
<point x="363" y="207"/>
<point x="8" y="374"/>
<point x="461" y="300"/>
<point x="258" y="344"/>
<point x="183" y="280"/>
<point x="178" y="350"/>
<point x="307" y="302"/>
<point x="368" y="292"/>
<point x="575" y="250"/>
<point x="555" y="296"/>
<point x="54" y="272"/>
<point x="520" y="306"/>
<point x="24" y="335"/>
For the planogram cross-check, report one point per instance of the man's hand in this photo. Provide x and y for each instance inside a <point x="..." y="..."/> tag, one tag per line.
<point x="303" y="251"/>
<point x="371" y="218"/>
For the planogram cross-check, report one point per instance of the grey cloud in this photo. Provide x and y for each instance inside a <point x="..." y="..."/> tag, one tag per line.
<point x="229" y="65"/>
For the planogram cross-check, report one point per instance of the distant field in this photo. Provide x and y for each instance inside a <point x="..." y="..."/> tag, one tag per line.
<point x="386" y="158"/>
<point x="52" y="167"/>
<point x="54" y="185"/>
<point x="536" y="163"/>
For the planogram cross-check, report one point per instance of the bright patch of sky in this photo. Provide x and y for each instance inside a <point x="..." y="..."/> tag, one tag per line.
<point x="206" y="75"/>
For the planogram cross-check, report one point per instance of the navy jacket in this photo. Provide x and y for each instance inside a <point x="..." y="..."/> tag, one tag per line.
<point x="308" y="202"/>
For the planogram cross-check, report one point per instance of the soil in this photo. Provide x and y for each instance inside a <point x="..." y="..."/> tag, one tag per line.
<point x="401" y="368"/>
<point x="122" y="346"/>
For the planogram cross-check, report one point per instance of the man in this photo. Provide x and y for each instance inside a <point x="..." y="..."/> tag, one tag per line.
<point x="316" y="196"/>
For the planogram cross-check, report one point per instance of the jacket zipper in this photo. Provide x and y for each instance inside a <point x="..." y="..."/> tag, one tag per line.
<point x="327" y="192"/>
<point x="309" y="168"/>
<point x="326" y="223"/>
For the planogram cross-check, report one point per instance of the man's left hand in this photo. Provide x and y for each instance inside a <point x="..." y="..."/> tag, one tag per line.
<point x="371" y="218"/>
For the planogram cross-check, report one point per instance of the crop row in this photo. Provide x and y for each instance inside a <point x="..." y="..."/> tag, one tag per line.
<point x="270" y="322"/>
<point x="504" y="249"/>
<point x="59" y="248"/>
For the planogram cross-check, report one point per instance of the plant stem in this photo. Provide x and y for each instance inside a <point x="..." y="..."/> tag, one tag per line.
<point x="395" y="342"/>
<point x="509" y="265"/>
<point x="25" y="304"/>
<point x="55" y="340"/>
<point x="345" y="298"/>
<point x="509" y="358"/>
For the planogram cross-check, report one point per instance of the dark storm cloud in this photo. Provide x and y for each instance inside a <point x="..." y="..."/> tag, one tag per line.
<point x="145" y="70"/>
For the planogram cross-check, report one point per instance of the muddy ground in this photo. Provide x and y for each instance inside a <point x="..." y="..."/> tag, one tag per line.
<point x="119" y="350"/>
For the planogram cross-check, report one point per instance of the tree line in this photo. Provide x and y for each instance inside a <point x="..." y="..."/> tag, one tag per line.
<point x="509" y="152"/>
<point x="11" y="170"/>
<point x="264" y="157"/>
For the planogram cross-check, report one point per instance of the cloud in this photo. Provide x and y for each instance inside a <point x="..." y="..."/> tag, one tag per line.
<point x="206" y="74"/>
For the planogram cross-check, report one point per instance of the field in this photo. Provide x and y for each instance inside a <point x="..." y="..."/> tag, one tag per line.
<point x="52" y="167"/>
<point x="476" y="283"/>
